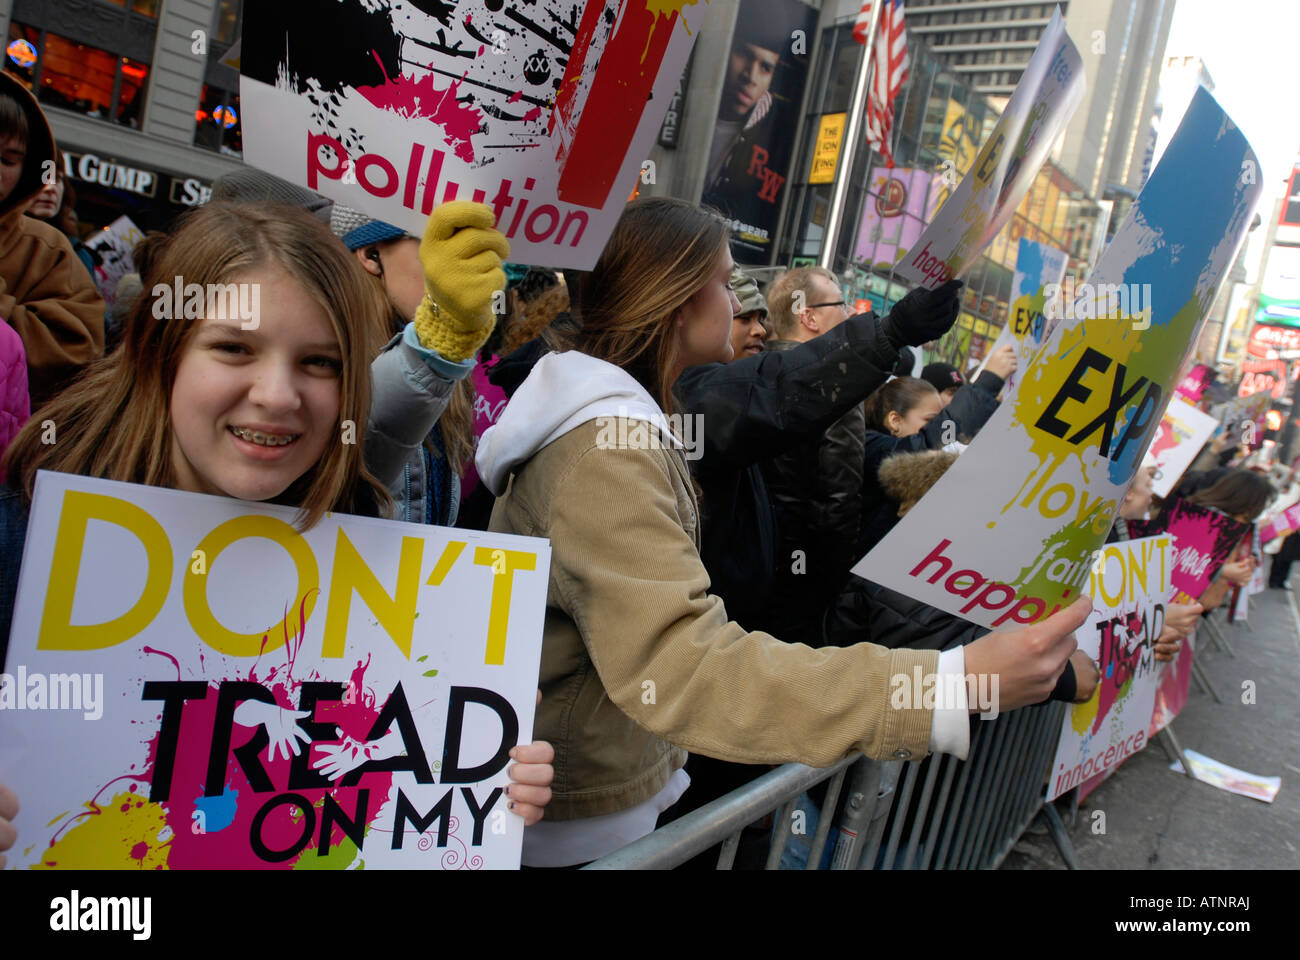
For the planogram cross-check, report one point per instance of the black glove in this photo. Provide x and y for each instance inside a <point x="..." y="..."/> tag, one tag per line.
<point x="923" y="315"/>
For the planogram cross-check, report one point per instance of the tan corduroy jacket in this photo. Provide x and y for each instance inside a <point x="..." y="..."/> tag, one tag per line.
<point x="640" y="663"/>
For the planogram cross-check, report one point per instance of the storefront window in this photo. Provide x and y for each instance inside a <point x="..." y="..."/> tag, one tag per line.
<point x="227" y="21"/>
<point x="130" y="95"/>
<point x="78" y="77"/>
<point x="217" y="122"/>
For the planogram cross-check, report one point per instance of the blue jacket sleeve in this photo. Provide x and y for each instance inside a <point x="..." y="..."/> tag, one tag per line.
<point x="411" y="388"/>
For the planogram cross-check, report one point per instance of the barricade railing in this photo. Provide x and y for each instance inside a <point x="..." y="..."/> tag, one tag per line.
<point x="941" y="813"/>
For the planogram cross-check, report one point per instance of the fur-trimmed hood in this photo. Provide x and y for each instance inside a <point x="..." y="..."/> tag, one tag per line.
<point x="906" y="477"/>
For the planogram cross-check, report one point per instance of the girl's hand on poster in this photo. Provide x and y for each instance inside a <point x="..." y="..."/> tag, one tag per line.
<point x="531" y="776"/>
<point x="1181" y="618"/>
<point x="281" y="725"/>
<point x="1086" y="676"/>
<point x="1167" y="644"/>
<point x="1003" y="361"/>
<point x="530" y="780"/>
<point x="8" y="810"/>
<point x="1028" y="661"/>
<point x="1239" y="572"/>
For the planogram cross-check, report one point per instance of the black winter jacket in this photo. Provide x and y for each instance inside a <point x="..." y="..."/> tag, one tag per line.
<point x="815" y="489"/>
<point x="971" y="407"/>
<point x="753" y="410"/>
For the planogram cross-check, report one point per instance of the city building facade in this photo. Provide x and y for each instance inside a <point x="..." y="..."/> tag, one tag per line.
<point x="144" y="112"/>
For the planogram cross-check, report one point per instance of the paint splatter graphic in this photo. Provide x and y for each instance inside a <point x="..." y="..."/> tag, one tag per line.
<point x="493" y="77"/>
<point x="243" y="803"/>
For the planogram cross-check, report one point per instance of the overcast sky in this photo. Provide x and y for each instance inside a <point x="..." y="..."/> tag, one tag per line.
<point x="1251" y="51"/>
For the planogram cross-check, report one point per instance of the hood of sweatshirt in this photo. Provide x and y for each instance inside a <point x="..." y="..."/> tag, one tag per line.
<point x="40" y="148"/>
<point x="561" y="392"/>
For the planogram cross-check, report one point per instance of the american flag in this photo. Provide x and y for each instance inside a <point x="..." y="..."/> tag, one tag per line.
<point x="891" y="71"/>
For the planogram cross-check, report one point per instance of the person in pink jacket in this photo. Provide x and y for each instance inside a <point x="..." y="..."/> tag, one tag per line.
<point x="15" y="402"/>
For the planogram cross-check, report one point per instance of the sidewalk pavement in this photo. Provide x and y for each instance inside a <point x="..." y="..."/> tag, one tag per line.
<point x="1158" y="819"/>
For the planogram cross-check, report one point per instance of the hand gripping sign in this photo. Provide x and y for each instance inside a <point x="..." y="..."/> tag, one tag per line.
<point x="1009" y="533"/>
<point x="544" y="110"/>
<point x="272" y="699"/>
<point x="1050" y="90"/>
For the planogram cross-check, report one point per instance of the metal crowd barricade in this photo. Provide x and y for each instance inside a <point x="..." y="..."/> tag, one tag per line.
<point x="942" y="813"/>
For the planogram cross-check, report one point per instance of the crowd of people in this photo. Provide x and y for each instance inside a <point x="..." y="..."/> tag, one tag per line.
<point x="719" y="570"/>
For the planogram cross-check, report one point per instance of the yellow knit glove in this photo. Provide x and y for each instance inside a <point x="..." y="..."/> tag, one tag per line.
<point x="461" y="254"/>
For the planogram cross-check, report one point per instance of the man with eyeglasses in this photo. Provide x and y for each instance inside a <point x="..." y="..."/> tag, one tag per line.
<point x="814" y="487"/>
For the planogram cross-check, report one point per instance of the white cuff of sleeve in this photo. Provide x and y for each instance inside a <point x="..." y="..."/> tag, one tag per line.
<point x="951" y="730"/>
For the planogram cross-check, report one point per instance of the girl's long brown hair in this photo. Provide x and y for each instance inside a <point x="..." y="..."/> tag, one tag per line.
<point x="1238" y="493"/>
<point x="662" y="252"/>
<point x="114" y="422"/>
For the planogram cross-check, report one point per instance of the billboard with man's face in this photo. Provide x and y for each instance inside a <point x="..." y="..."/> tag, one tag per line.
<point x="749" y="155"/>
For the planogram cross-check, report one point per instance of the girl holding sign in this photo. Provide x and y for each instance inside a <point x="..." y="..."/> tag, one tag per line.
<point x="269" y="408"/>
<point x="639" y="662"/>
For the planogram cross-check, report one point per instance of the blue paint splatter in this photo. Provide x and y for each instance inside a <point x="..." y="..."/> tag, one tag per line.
<point x="218" y="812"/>
<point x="1029" y="264"/>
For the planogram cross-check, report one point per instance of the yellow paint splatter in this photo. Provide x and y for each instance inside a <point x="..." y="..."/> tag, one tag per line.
<point x="1082" y="715"/>
<point x="106" y="840"/>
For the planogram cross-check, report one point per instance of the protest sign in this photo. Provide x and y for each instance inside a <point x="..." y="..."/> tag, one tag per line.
<point x="1050" y="90"/>
<point x="1240" y="608"/>
<point x="1039" y="268"/>
<point x="1285" y="522"/>
<point x="1130" y="586"/>
<point x="1192" y="387"/>
<point x="1240" y="411"/>
<point x="1204" y="538"/>
<point x="1183" y="431"/>
<point x="193" y="683"/>
<point x="543" y="111"/>
<point x="1052" y="463"/>
<point x="1239" y="605"/>
<point x="1231" y="779"/>
<point x="111" y="249"/>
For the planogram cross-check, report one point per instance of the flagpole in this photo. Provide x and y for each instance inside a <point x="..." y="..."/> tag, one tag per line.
<point x="844" y="169"/>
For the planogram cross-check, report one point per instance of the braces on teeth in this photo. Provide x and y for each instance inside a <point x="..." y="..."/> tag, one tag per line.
<point x="263" y="439"/>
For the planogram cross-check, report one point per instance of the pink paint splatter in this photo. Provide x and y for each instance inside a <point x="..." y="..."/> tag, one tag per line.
<point x="163" y="653"/>
<point x="411" y="99"/>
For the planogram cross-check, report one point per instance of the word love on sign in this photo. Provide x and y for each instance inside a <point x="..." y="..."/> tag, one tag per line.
<point x="1052" y="464"/>
<point x="339" y="697"/>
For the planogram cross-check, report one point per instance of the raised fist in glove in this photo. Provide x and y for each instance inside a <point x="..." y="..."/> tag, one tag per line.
<point x="461" y="255"/>
<point x="923" y="315"/>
